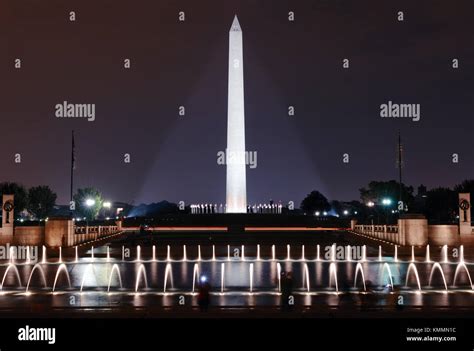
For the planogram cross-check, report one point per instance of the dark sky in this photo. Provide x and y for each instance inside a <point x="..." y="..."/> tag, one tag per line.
<point x="285" y="63"/>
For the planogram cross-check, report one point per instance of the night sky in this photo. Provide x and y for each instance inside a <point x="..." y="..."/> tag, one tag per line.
<point x="286" y="63"/>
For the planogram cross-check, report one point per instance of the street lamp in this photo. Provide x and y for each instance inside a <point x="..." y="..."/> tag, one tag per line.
<point x="346" y="212"/>
<point x="90" y="202"/>
<point x="107" y="204"/>
<point x="370" y="204"/>
<point x="386" y="202"/>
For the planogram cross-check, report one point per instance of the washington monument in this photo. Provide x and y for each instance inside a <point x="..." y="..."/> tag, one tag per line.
<point x="236" y="198"/>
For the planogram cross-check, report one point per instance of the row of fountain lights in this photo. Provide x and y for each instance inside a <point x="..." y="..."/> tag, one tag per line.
<point x="348" y="254"/>
<point x="222" y="208"/>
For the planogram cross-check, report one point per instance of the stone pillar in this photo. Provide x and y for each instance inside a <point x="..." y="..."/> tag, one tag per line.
<point x="413" y="229"/>
<point x="8" y="218"/>
<point x="119" y="225"/>
<point x="465" y="213"/>
<point x="59" y="232"/>
<point x="353" y="224"/>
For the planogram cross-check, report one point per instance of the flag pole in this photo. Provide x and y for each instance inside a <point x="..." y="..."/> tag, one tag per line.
<point x="72" y="164"/>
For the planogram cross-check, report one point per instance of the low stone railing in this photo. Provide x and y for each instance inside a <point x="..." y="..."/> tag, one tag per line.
<point x="84" y="234"/>
<point x="382" y="232"/>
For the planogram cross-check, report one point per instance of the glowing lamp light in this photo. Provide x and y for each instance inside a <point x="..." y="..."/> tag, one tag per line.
<point x="386" y="202"/>
<point x="203" y="279"/>
<point x="325" y="213"/>
<point x="90" y="202"/>
<point x="317" y="213"/>
<point x="107" y="204"/>
<point x="370" y="204"/>
<point x="346" y="212"/>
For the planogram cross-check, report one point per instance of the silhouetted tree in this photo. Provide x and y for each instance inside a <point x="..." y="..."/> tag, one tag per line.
<point x="315" y="201"/>
<point x="376" y="191"/>
<point x="41" y="200"/>
<point x="80" y="199"/>
<point x="441" y="205"/>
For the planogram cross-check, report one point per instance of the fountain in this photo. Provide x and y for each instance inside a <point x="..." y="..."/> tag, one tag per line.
<point x="243" y="253"/>
<point x="333" y="275"/>
<point x="199" y="253"/>
<point x="412" y="267"/>
<point x="15" y="269"/>
<point x="228" y="252"/>
<point x="115" y="268"/>
<point x="302" y="253"/>
<point x="333" y="252"/>
<point x="213" y="252"/>
<point x="279" y="275"/>
<point x="386" y="267"/>
<point x="427" y="253"/>
<point x="361" y="270"/>
<point x="35" y="267"/>
<point x="395" y="255"/>
<point x="185" y="256"/>
<point x="153" y="253"/>
<point x="348" y="253"/>
<point x="88" y="268"/>
<point x="412" y="253"/>
<point x="141" y="273"/>
<point x="168" y="253"/>
<point x="380" y="253"/>
<point x="273" y="252"/>
<point x="108" y="254"/>
<point x="461" y="253"/>
<point x="60" y="254"/>
<point x="28" y="258"/>
<point x="139" y="253"/>
<point x="123" y="253"/>
<point x="62" y="267"/>
<point x="77" y="254"/>
<point x="92" y="253"/>
<point x="195" y="276"/>
<point x="222" y="276"/>
<point x="364" y="253"/>
<point x="44" y="254"/>
<point x="306" y="277"/>
<point x="318" y="258"/>
<point x="288" y="256"/>
<point x="458" y="267"/>
<point x="258" y="252"/>
<point x="444" y="254"/>
<point x="438" y="267"/>
<point x="251" y="276"/>
<point x="12" y="254"/>
<point x="168" y="276"/>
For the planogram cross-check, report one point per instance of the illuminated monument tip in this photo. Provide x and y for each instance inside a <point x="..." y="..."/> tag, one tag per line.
<point x="235" y="25"/>
<point x="236" y="197"/>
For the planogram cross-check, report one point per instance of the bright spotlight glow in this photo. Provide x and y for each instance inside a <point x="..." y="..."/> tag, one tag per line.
<point x="386" y="201"/>
<point x="346" y="212"/>
<point x="90" y="202"/>
<point x="325" y="213"/>
<point x="317" y="213"/>
<point x="370" y="204"/>
<point x="107" y="204"/>
<point x="203" y="279"/>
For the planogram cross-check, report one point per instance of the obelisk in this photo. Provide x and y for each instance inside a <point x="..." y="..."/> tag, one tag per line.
<point x="236" y="186"/>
